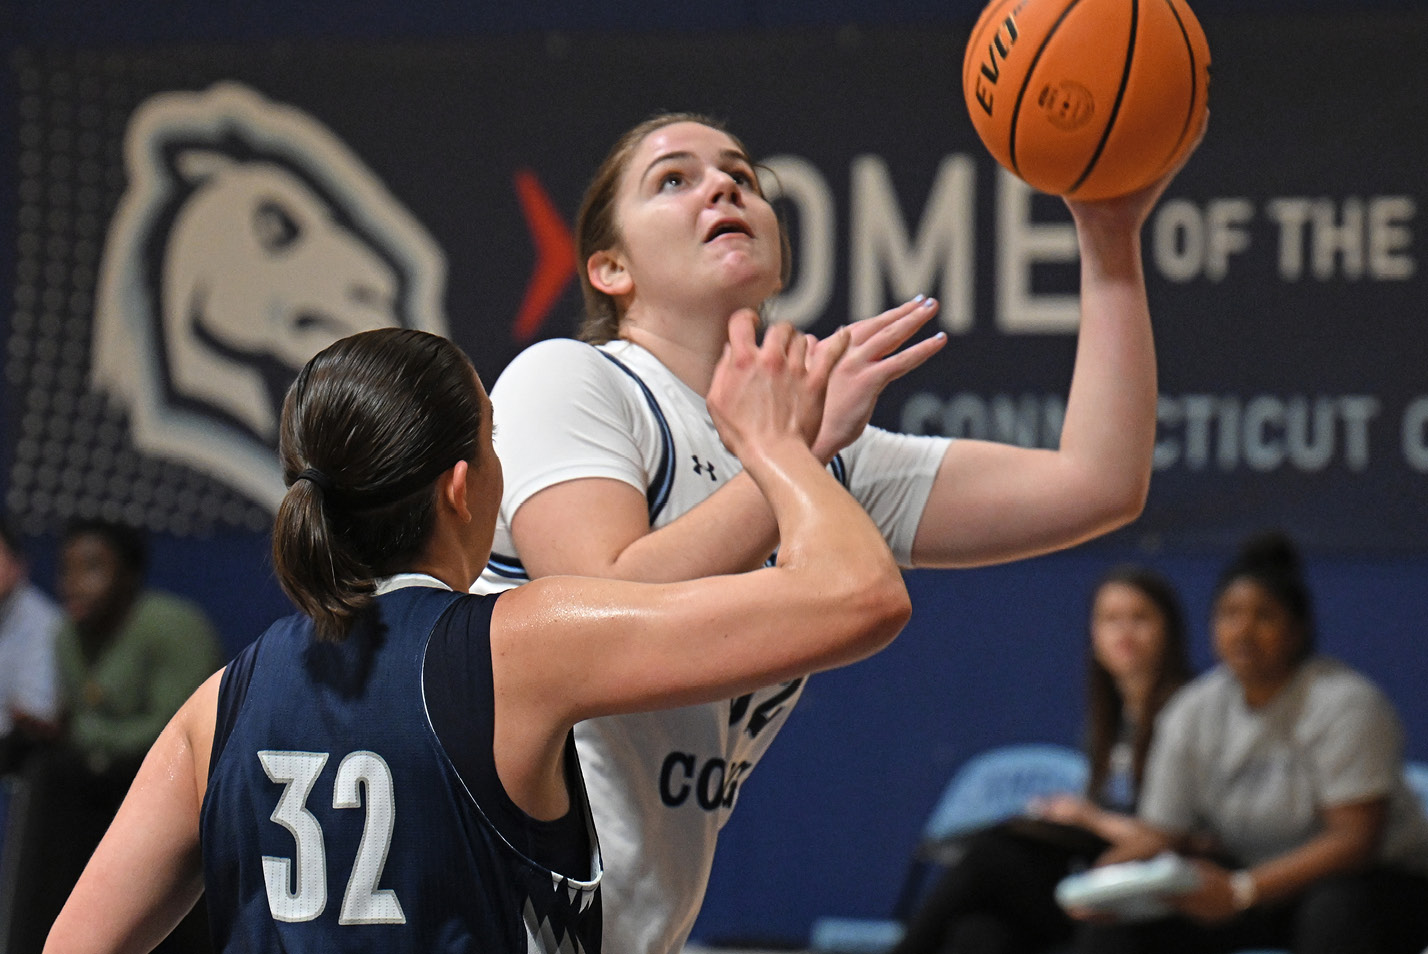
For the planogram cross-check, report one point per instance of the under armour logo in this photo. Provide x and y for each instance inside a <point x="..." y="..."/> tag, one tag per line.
<point x="702" y="468"/>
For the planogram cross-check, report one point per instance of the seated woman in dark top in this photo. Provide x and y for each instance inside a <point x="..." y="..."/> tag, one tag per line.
<point x="999" y="897"/>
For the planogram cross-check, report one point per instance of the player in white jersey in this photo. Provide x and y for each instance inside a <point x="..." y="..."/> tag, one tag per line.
<point x="614" y="469"/>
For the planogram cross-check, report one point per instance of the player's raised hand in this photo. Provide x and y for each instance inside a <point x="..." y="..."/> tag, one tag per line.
<point x="874" y="357"/>
<point x="765" y="392"/>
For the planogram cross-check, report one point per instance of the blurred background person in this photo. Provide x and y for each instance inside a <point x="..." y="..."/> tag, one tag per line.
<point x="999" y="898"/>
<point x="127" y="658"/>
<point x="1281" y="771"/>
<point x="29" y="618"/>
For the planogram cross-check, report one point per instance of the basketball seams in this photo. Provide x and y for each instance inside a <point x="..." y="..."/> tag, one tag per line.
<point x="1079" y="141"/>
<point x="1026" y="81"/>
<point x="1185" y="129"/>
<point x="1115" y="106"/>
<point x="982" y="33"/>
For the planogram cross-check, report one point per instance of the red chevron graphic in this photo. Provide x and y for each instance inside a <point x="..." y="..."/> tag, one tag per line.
<point x="555" y="255"/>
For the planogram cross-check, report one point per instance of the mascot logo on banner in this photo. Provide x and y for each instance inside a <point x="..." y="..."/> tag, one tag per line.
<point x="248" y="239"/>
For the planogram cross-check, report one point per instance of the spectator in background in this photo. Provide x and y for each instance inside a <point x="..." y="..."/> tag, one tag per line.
<point x="999" y="898"/>
<point x="1281" y="770"/>
<point x="128" y="657"/>
<point x="28" y="621"/>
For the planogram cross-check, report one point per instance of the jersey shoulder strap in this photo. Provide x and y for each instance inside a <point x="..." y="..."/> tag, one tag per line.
<point x="656" y="494"/>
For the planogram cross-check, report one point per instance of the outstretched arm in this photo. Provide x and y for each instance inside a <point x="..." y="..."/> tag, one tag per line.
<point x="995" y="502"/>
<point x="147" y="872"/>
<point x="568" y="649"/>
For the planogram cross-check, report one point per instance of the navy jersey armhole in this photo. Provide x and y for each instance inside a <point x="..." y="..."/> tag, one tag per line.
<point x="461" y="707"/>
<point x="232" y="690"/>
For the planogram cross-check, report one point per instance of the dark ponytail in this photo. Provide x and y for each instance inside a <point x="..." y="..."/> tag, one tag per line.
<point x="368" y="426"/>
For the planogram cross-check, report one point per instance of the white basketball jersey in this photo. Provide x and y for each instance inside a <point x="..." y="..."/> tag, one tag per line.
<point x="662" y="784"/>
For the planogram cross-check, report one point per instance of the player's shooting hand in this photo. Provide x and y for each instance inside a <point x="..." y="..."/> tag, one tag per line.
<point x="1131" y="211"/>
<point x="872" y="360"/>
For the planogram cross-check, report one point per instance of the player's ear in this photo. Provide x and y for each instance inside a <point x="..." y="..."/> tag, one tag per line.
<point x="608" y="274"/>
<point x="451" y="490"/>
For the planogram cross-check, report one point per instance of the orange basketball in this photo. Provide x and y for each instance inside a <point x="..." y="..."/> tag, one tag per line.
<point x="1087" y="98"/>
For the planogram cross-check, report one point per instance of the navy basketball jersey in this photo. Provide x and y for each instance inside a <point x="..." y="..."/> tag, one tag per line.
<point x="335" y="820"/>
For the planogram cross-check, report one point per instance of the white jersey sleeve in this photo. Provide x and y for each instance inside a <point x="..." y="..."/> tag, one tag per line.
<point x="662" y="784"/>
<point x="891" y="476"/>
<point x="561" y="414"/>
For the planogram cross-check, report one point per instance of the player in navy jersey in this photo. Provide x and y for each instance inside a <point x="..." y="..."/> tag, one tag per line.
<point x="393" y="769"/>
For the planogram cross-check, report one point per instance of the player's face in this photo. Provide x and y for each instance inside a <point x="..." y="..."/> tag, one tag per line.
<point x="1255" y="635"/>
<point x="486" y="482"/>
<point x="693" y="220"/>
<point x="1127" y="631"/>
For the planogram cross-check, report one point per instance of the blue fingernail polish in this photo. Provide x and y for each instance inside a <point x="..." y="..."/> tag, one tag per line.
<point x="929" y="303"/>
<point x="918" y="297"/>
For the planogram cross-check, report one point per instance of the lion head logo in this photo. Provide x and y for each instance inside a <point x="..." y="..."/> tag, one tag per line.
<point x="248" y="239"/>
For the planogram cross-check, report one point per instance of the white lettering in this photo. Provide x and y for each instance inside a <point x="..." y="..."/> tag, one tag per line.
<point x="798" y="182"/>
<point x="1265" y="432"/>
<point x="1021" y="244"/>
<point x="1028" y="420"/>
<point x="1310" y="444"/>
<point x="1292" y="215"/>
<point x="1415" y="434"/>
<point x="1178" y="240"/>
<point x="1347" y="238"/>
<point x="1186" y="244"/>
<point x="1358" y="411"/>
<point x="1226" y="233"/>
<point x="1389" y="237"/>
<point x="1264" y="450"/>
<point x="1195" y="432"/>
<point x="881" y="252"/>
<point x="1338" y="238"/>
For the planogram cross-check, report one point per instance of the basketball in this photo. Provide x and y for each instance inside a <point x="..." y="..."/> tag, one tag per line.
<point x="1087" y="98"/>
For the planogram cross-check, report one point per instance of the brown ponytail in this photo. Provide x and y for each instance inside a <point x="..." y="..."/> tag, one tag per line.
<point x="368" y="426"/>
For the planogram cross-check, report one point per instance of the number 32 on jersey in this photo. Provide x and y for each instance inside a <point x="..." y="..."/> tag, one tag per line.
<point x="304" y="898"/>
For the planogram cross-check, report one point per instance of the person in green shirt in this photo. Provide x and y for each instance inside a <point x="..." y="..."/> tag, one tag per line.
<point x="127" y="657"/>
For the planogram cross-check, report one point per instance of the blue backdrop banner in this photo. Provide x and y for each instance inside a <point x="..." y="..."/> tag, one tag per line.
<point x="190" y="224"/>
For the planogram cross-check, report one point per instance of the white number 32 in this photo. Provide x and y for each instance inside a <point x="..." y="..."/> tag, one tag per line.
<point x="362" y="902"/>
